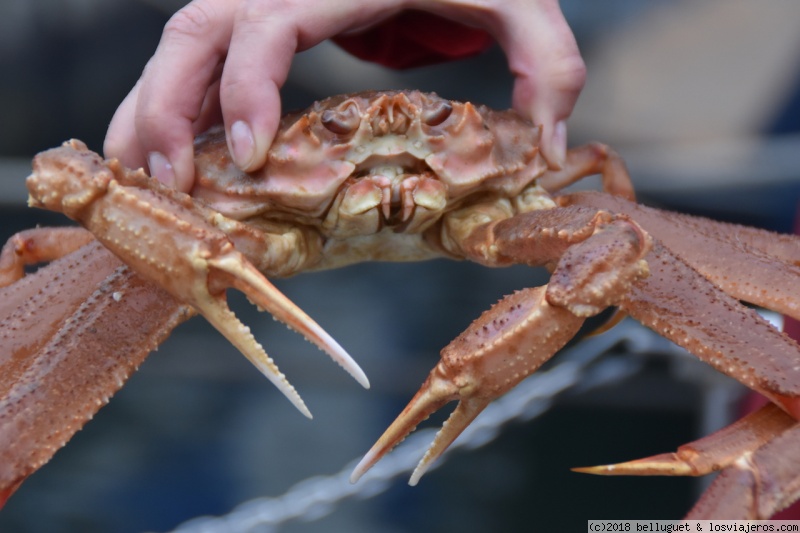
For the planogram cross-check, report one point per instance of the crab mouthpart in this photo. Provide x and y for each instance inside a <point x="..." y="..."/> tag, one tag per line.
<point x="392" y="196"/>
<point x="401" y="194"/>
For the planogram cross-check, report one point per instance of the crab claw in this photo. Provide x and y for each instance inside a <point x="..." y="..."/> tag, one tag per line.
<point x="168" y="239"/>
<point x="437" y="390"/>
<point x="709" y="454"/>
<point x="502" y="347"/>
<point x="243" y="276"/>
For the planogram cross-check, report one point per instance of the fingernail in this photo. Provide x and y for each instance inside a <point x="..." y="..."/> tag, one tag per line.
<point x="161" y="169"/>
<point x="243" y="145"/>
<point x="558" y="144"/>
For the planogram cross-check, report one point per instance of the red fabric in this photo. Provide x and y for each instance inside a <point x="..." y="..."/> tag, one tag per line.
<point x="414" y="39"/>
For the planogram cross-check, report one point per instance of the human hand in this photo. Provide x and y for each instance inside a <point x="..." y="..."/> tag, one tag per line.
<point x="226" y="59"/>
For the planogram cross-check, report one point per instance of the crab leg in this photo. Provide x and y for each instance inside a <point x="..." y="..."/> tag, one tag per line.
<point x="521" y="332"/>
<point x="597" y="261"/>
<point x="759" y="459"/>
<point x="38" y="245"/>
<point x="708" y="454"/>
<point x="758" y="484"/>
<point x="758" y="453"/>
<point x="692" y="312"/>
<point x="732" y="338"/>
<point x="719" y="251"/>
<point x="589" y="159"/>
<point x="68" y="351"/>
<point x="161" y="236"/>
<point x="734" y="257"/>
<point x="503" y="346"/>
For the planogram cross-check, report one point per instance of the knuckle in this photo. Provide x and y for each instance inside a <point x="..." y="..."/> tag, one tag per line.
<point x="257" y="11"/>
<point x="148" y="119"/>
<point x="148" y="126"/>
<point x="158" y="128"/>
<point x="569" y="74"/>
<point x="156" y="124"/>
<point x="194" y="20"/>
<point x="252" y="12"/>
<point x="233" y="86"/>
<point x="150" y="110"/>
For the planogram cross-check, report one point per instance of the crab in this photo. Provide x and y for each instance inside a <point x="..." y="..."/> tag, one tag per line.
<point x="393" y="176"/>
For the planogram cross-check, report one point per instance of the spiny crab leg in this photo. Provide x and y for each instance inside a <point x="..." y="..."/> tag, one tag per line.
<point x="38" y="245"/>
<point x="501" y="348"/>
<point x="75" y="330"/>
<point x="592" y="158"/>
<point x="599" y="259"/>
<point x="600" y="256"/>
<point x="244" y="277"/>
<point x="758" y="457"/>
<point x="758" y="484"/>
<point x="163" y="238"/>
<point x="734" y="257"/>
<point x="679" y="303"/>
<point x="708" y="454"/>
<point x="691" y="311"/>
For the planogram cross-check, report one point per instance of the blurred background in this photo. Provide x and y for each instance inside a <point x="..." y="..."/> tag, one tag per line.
<point x="702" y="100"/>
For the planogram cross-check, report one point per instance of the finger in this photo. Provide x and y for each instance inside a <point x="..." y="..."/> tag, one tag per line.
<point x="264" y="40"/>
<point x="542" y="55"/>
<point x="121" y="140"/>
<point x="210" y="112"/>
<point x="175" y="85"/>
<point x="548" y="67"/>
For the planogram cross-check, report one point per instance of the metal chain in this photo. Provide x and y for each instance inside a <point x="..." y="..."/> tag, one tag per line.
<point x="317" y="496"/>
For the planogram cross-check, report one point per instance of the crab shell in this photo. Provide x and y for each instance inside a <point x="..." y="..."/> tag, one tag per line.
<point x="469" y="149"/>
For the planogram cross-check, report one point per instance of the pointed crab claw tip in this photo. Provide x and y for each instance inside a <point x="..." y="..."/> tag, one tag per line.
<point x="361" y="377"/>
<point x="364" y="465"/>
<point x="307" y="413"/>
<point x="344" y="359"/>
<point x="433" y="394"/>
<point x="599" y="470"/>
<point x="244" y="277"/>
<point x="419" y="471"/>
<point x="298" y="402"/>
<point x="267" y="367"/>
<point x="665" y="464"/>
<point x="461" y="417"/>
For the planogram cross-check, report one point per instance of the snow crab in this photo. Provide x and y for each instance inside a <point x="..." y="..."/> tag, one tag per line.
<point x="392" y="176"/>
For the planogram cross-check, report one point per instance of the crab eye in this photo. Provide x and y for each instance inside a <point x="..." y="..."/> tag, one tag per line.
<point x="437" y="114"/>
<point x="341" y="121"/>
